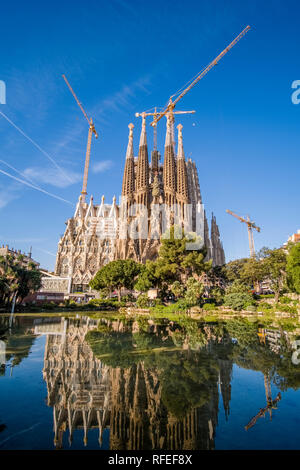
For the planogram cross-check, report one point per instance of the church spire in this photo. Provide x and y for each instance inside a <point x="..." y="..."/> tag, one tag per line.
<point x="142" y="173"/>
<point x="180" y="143"/>
<point x="129" y="153"/>
<point x="168" y="140"/>
<point x="182" y="183"/>
<point x="169" y="172"/>
<point x="128" y="178"/>
<point x="172" y="129"/>
<point x="143" y="137"/>
<point x="218" y="255"/>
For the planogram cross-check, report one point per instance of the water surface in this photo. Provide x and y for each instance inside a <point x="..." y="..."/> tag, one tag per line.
<point x="86" y="383"/>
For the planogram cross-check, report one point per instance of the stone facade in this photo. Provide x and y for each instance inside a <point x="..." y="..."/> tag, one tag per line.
<point x="23" y="258"/>
<point x="98" y="234"/>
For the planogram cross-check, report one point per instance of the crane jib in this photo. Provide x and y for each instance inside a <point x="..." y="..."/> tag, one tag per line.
<point x="171" y="104"/>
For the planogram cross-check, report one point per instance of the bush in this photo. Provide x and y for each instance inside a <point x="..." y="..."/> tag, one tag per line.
<point x="128" y="298"/>
<point x="104" y="293"/>
<point x="143" y="301"/>
<point x="193" y="292"/>
<point x="251" y="308"/>
<point x="267" y="296"/>
<point x="70" y="303"/>
<point x="181" y="305"/>
<point x="237" y="287"/>
<point x="286" y="309"/>
<point x="285" y="300"/>
<point x="49" y="306"/>
<point x="30" y="307"/>
<point x="178" y="307"/>
<point x="210" y="306"/>
<point x="217" y="295"/>
<point x="104" y="303"/>
<point x="266" y="311"/>
<point x="265" y="306"/>
<point x="238" y="301"/>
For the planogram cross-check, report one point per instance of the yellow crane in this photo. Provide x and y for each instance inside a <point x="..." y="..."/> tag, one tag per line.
<point x="250" y="225"/>
<point x="92" y="131"/>
<point x="171" y="104"/>
<point x="155" y="114"/>
<point x="271" y="404"/>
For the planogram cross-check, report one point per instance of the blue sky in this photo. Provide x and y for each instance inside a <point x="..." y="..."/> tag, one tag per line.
<point x="127" y="56"/>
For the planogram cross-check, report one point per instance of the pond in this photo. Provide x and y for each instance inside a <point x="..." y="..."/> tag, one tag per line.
<point x="82" y="382"/>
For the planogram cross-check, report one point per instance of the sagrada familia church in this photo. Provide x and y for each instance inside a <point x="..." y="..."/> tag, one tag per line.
<point x="100" y="233"/>
<point x="89" y="397"/>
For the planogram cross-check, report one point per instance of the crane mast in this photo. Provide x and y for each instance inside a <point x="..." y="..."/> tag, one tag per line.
<point x="171" y="105"/>
<point x="92" y="131"/>
<point x="250" y="226"/>
<point x="155" y="114"/>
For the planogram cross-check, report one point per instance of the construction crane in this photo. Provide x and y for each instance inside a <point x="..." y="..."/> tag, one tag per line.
<point x="171" y="104"/>
<point x="155" y="114"/>
<point x="250" y="226"/>
<point x="271" y="404"/>
<point x="92" y="131"/>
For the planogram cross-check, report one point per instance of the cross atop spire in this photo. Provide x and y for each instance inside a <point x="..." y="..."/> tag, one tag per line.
<point x="129" y="153"/>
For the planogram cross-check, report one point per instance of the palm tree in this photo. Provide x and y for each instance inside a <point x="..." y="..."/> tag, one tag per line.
<point x="8" y="279"/>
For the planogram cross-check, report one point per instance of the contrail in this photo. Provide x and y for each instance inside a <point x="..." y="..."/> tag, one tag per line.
<point x="45" y="251"/>
<point x="36" y="145"/>
<point x="18" y="433"/>
<point x="35" y="187"/>
<point x="17" y="171"/>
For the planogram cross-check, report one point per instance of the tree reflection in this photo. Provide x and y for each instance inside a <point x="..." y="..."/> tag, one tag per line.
<point x="156" y="384"/>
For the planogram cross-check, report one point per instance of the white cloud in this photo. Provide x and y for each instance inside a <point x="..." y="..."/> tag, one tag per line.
<point x="8" y="193"/>
<point x="51" y="176"/>
<point x="122" y="99"/>
<point x="104" y="165"/>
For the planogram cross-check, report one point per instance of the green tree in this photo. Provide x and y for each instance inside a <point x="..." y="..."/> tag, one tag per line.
<point x="116" y="275"/>
<point x="194" y="291"/>
<point x="16" y="280"/>
<point x="238" y="287"/>
<point x="143" y="301"/>
<point x="147" y="277"/>
<point x="217" y="294"/>
<point x="177" y="289"/>
<point x="253" y="272"/>
<point x="175" y="261"/>
<point x="233" y="269"/>
<point x="293" y="267"/>
<point x="274" y="265"/>
<point x="29" y="281"/>
<point x="238" y="300"/>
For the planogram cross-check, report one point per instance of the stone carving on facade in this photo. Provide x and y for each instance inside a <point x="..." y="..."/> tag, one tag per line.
<point x="55" y="284"/>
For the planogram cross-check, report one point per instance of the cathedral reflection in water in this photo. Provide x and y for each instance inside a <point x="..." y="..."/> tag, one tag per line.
<point x="86" y="393"/>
